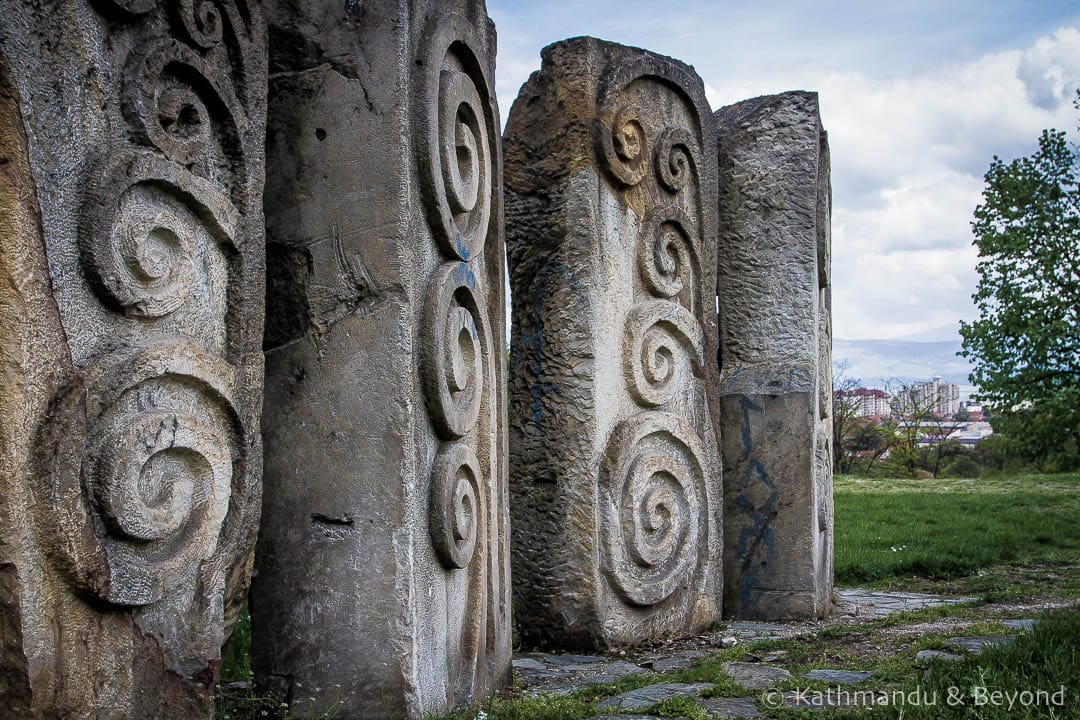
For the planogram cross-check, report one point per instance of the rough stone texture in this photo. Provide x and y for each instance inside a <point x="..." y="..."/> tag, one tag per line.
<point x="382" y="585"/>
<point x="725" y="707"/>
<point x="649" y="695"/>
<point x="839" y="677"/>
<point x="131" y="319"/>
<point x="756" y="677"/>
<point x="614" y="460"/>
<point x="775" y="346"/>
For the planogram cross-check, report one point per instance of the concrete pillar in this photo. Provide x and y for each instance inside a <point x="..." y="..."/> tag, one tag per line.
<point x="131" y="319"/>
<point x="775" y="350"/>
<point x="382" y="584"/>
<point x="615" y="470"/>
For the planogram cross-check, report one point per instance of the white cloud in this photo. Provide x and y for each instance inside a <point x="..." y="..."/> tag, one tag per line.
<point x="914" y="109"/>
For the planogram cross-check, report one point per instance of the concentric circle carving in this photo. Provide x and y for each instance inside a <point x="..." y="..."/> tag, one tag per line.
<point x="456" y="141"/>
<point x="456" y="351"/>
<point x="139" y="237"/>
<point x="662" y="342"/>
<point x="667" y="253"/>
<point x="652" y="495"/>
<point x="456" y="513"/>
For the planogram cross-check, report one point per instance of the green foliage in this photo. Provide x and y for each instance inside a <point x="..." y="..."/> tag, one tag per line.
<point x="887" y="529"/>
<point x="1025" y="344"/>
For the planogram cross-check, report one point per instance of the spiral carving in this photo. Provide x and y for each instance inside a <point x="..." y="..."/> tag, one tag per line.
<point x="162" y="449"/>
<point x="456" y="141"/>
<point x="177" y="99"/>
<point x="456" y="351"/>
<point x="151" y="214"/>
<point x="662" y="342"/>
<point x="667" y="254"/>
<point x="677" y="159"/>
<point x="457" y="509"/>
<point x="652" y="495"/>
<point x="202" y="21"/>
<point x="625" y="147"/>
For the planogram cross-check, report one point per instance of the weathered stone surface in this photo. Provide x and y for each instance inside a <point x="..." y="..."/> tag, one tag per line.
<point x="651" y="694"/>
<point x="131" y="320"/>
<point x="724" y="707"/>
<point x="756" y="677"/>
<point x="614" y="463"/>
<point x="975" y="645"/>
<point x="775" y="346"/>
<point x="383" y="562"/>
<point x="839" y="677"/>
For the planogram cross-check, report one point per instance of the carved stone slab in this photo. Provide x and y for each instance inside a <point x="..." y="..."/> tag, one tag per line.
<point x="775" y="350"/>
<point x="615" y="471"/>
<point x="382" y="585"/>
<point x="131" y="318"/>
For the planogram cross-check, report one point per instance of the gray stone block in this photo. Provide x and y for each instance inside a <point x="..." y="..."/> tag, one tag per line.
<point x="615" y="474"/>
<point x="649" y="695"/>
<point x="131" y="320"/>
<point x="756" y="677"/>
<point x="775" y="346"/>
<point x="382" y="586"/>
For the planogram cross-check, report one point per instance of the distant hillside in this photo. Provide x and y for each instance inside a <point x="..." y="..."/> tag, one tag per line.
<point x="876" y="362"/>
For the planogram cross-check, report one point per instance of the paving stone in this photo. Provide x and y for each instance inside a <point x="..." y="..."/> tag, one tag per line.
<point x="744" y="707"/>
<point x="976" y="645"/>
<point x="567" y="659"/>
<point x="626" y="717"/>
<point x="839" y="677"/>
<point x="756" y="677"/>
<point x="880" y="604"/>
<point x="669" y="664"/>
<point x="1025" y="624"/>
<point x="652" y="694"/>
<point x="925" y="657"/>
<point x="529" y="664"/>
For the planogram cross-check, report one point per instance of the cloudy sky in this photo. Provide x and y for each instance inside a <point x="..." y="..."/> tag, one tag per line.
<point x="917" y="98"/>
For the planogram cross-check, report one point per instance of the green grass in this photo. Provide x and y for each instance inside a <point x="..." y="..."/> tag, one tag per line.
<point x="1046" y="660"/>
<point x="890" y="529"/>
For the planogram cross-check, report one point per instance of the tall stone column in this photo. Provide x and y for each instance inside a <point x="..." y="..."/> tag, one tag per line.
<point x="615" y="470"/>
<point x="131" y="318"/>
<point x="775" y="357"/>
<point x="382" y="584"/>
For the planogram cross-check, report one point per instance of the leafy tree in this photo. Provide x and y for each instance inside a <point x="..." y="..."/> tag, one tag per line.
<point x="923" y="439"/>
<point x="1025" y="344"/>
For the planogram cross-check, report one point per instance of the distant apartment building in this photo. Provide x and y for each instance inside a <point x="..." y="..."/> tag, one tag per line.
<point x="937" y="396"/>
<point x="869" y="402"/>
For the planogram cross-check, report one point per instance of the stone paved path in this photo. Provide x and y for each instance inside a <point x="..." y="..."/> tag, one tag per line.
<point x="563" y="673"/>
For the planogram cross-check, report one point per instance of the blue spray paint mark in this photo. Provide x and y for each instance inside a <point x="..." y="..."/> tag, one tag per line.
<point x="463" y="250"/>
<point x="463" y="275"/>
<point x="530" y="347"/>
<point x="757" y="534"/>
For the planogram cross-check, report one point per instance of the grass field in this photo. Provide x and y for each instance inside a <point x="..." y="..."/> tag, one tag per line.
<point x="989" y="536"/>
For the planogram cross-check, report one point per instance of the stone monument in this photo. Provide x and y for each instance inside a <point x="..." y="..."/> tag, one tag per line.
<point x="615" y="469"/>
<point x="775" y="350"/>
<point x="382" y="583"/>
<point x="131" y="319"/>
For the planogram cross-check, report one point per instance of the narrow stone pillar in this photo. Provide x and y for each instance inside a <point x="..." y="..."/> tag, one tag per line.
<point x="615" y="471"/>
<point x="131" y="318"/>
<point x="382" y="583"/>
<point x="775" y="350"/>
